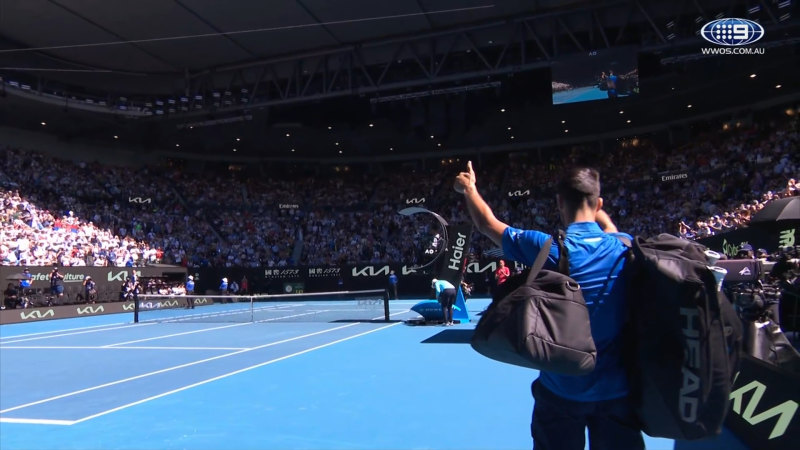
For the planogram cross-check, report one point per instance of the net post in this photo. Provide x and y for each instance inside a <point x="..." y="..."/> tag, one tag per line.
<point x="135" y="311"/>
<point x="252" y="309"/>
<point x="386" y="316"/>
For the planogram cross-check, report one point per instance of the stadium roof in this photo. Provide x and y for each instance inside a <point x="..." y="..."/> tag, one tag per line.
<point x="179" y="36"/>
<point x="268" y="70"/>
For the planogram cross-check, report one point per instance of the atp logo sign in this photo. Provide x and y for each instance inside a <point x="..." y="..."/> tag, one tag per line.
<point x="36" y="315"/>
<point x="732" y="32"/>
<point x="90" y="310"/>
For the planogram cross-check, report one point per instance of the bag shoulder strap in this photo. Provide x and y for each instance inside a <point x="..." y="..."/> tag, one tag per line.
<point x="625" y="241"/>
<point x="541" y="258"/>
<point x="623" y="255"/>
<point x="563" y="253"/>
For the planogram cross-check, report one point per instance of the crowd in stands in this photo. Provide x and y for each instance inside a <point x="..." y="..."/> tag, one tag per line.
<point x="57" y="211"/>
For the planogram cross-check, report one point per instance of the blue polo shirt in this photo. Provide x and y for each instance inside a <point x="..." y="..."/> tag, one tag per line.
<point x="441" y="285"/>
<point x="592" y="254"/>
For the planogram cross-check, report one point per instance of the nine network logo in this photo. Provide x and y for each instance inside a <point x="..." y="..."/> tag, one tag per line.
<point x="731" y="35"/>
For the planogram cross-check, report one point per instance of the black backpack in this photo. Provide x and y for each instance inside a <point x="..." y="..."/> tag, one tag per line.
<point x="683" y="339"/>
<point x="538" y="320"/>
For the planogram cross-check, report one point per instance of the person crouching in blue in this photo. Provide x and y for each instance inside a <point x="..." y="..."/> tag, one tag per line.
<point x="446" y="295"/>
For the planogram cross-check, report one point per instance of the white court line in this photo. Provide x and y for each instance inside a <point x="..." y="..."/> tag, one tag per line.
<point x="200" y="383"/>
<point x="176" y="334"/>
<point x="79" y="347"/>
<point x="73" y="334"/>
<point x="169" y="369"/>
<point x="37" y="421"/>
<point x="60" y="331"/>
<point x="289" y="317"/>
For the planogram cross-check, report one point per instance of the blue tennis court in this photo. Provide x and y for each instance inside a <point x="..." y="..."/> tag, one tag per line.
<point x="105" y="382"/>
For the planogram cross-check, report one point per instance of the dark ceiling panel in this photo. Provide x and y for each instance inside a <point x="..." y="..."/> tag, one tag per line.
<point x="40" y="23"/>
<point x="499" y="9"/>
<point x="354" y="28"/>
<point x="287" y="27"/>
<point x="155" y="19"/>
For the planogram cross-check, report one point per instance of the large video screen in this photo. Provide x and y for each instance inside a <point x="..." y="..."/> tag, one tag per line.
<point x="601" y="75"/>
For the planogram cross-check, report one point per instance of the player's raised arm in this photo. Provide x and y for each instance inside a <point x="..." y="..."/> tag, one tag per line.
<point x="604" y="220"/>
<point x="480" y="212"/>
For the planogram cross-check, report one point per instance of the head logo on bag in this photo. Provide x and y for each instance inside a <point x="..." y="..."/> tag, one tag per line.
<point x="680" y="383"/>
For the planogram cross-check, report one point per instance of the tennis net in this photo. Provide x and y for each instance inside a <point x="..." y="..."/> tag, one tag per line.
<point x="366" y="305"/>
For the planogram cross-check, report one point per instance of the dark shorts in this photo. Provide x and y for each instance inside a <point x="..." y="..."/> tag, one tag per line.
<point x="447" y="298"/>
<point x="560" y="423"/>
<point x="57" y="290"/>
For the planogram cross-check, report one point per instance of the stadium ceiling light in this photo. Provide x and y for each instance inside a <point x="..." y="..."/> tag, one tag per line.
<point x="752" y="75"/>
<point x="628" y="121"/>
<point x="116" y="137"/>
<point x="431" y="136"/>
<point x="337" y="143"/>
<point x="512" y="137"/>
<point x="237" y="139"/>
<point x="330" y="128"/>
<point x="292" y="149"/>
<point x="566" y="131"/>
<point x="502" y="110"/>
<point x="563" y="121"/>
<point x="340" y="152"/>
<point x="371" y="125"/>
<point x="439" y="144"/>
<point x="777" y="86"/>
<point x="177" y="145"/>
<point x="391" y="149"/>
<point x="287" y="134"/>
<point x="509" y="128"/>
<point x="234" y="150"/>
<point x="621" y="111"/>
<point x="689" y="106"/>
<point x="44" y="123"/>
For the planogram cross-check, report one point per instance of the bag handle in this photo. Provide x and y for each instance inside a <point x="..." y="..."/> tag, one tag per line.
<point x="541" y="258"/>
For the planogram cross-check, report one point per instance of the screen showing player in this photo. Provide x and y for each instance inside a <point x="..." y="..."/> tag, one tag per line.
<point x="601" y="75"/>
